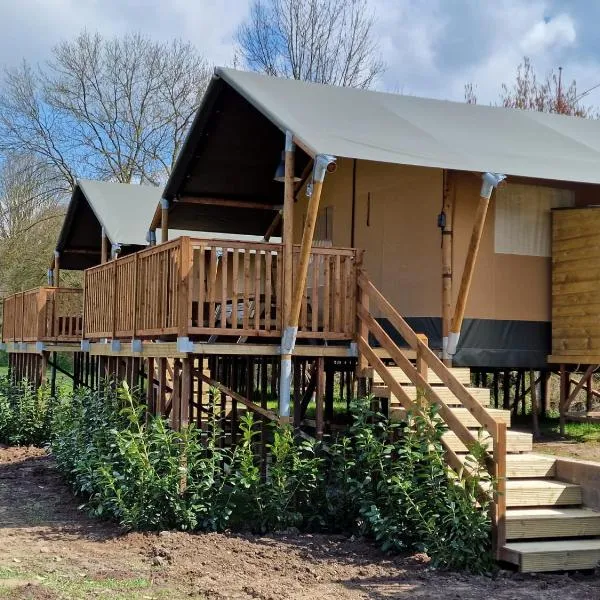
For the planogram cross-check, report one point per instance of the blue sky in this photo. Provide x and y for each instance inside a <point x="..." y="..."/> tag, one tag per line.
<point x="431" y="47"/>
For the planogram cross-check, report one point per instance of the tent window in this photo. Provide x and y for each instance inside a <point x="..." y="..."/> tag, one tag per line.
<point x="324" y="225"/>
<point x="523" y="222"/>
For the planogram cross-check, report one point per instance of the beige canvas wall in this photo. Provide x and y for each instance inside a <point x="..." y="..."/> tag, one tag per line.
<point x="396" y="224"/>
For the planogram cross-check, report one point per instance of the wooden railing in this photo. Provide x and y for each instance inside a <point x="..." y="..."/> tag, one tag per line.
<point x="43" y="314"/>
<point x="193" y="287"/>
<point x="417" y="374"/>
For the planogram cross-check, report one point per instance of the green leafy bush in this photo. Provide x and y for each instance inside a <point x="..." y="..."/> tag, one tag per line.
<point x="391" y="482"/>
<point x="387" y="481"/>
<point x="25" y="414"/>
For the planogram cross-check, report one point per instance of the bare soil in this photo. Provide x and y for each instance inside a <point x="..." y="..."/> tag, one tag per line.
<point x="49" y="549"/>
<point x="570" y="449"/>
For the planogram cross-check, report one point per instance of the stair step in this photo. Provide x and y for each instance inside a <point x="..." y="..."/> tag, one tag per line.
<point x="541" y="493"/>
<point x="462" y="374"/>
<point x="523" y="466"/>
<point x="516" y="441"/>
<point x="523" y="523"/>
<point x="553" y="555"/>
<point x="530" y="465"/>
<point x="482" y="395"/>
<point x="464" y="415"/>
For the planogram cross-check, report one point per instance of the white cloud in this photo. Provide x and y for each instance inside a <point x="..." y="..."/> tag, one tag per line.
<point x="430" y="47"/>
<point x="549" y="34"/>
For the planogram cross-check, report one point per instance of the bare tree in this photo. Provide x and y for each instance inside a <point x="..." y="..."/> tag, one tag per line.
<point x="30" y="217"/>
<point x="324" y="41"/>
<point x="550" y="95"/>
<point x="115" y="109"/>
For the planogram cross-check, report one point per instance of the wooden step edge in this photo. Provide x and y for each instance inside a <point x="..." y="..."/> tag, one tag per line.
<point x="464" y="415"/>
<point x="552" y="555"/>
<point x="556" y="522"/>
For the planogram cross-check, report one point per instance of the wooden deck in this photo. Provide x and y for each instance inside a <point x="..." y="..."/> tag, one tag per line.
<point x="43" y="314"/>
<point x="194" y="287"/>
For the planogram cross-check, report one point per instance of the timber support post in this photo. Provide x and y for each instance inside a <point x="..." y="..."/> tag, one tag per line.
<point x="56" y="270"/>
<point x="104" y="247"/>
<point x="445" y="224"/>
<point x="287" y="344"/>
<point x="323" y="163"/>
<point x="490" y="182"/>
<point x="164" y="220"/>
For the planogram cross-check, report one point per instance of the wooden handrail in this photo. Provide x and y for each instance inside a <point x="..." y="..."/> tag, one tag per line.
<point x="435" y="364"/>
<point x="428" y="359"/>
<point x="453" y="422"/>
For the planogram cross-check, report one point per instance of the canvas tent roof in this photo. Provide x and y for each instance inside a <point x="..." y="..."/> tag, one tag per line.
<point x="238" y="134"/>
<point x="124" y="210"/>
<point x="420" y="131"/>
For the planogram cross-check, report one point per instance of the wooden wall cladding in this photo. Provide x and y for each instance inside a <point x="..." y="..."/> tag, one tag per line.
<point x="576" y="282"/>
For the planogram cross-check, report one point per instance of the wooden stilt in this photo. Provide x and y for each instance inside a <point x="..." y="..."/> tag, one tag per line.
<point x="319" y="396"/>
<point x="564" y="394"/>
<point x="506" y="391"/>
<point x="186" y="391"/>
<point x="534" y="406"/>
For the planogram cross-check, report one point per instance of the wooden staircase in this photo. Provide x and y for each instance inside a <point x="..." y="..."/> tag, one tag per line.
<point x="540" y="522"/>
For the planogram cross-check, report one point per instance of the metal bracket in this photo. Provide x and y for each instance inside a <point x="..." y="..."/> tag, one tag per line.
<point x="39" y="346"/>
<point x="2" y="346"/>
<point x="184" y="345"/>
<point x="353" y="350"/>
<point x="323" y="163"/>
<point x="288" y="340"/>
<point x="490" y="182"/>
<point x="115" y="345"/>
<point x="85" y="345"/>
<point x="136" y="345"/>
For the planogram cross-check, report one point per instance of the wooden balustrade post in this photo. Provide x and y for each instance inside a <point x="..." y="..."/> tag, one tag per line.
<point x="114" y="298"/>
<point x="184" y="291"/>
<point x="362" y="300"/>
<point x="499" y="499"/>
<point x="421" y="363"/>
<point x="42" y="299"/>
<point x="135" y="296"/>
<point x="22" y="315"/>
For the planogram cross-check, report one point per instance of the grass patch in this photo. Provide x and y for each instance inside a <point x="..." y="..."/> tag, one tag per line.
<point x="71" y="586"/>
<point x="577" y="432"/>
